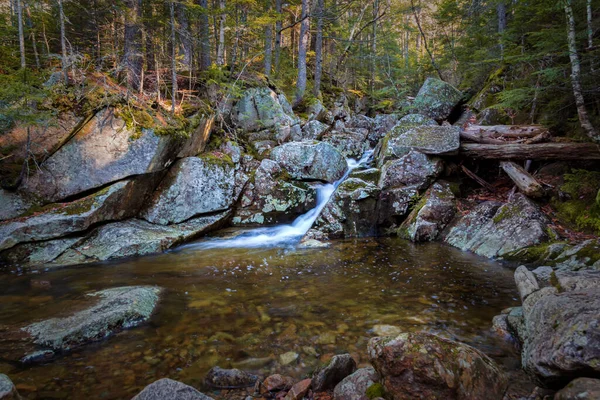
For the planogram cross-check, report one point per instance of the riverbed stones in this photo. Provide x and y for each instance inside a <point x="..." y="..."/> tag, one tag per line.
<point x="275" y="383"/>
<point x="115" y="309"/>
<point x="299" y="390"/>
<point x="355" y="385"/>
<point x="339" y="367"/>
<point x="494" y="229"/>
<point x="8" y="391"/>
<point x="104" y="150"/>
<point x="118" y="201"/>
<point x="169" y="389"/>
<point x="220" y="378"/>
<point x="437" y="99"/>
<point x="310" y="161"/>
<point x="193" y="186"/>
<point x="423" y="365"/>
<point x="580" y="389"/>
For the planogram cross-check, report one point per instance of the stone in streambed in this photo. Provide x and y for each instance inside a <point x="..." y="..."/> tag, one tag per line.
<point x="8" y="391"/>
<point x="220" y="378"/>
<point x="169" y="389"/>
<point x="116" y="309"/>
<point x="299" y="390"/>
<point x="275" y="383"/>
<point x="354" y="386"/>
<point x="526" y="282"/>
<point x="288" y="358"/>
<point x="339" y="367"/>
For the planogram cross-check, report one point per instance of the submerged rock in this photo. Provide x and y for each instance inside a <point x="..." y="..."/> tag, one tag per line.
<point x="193" y="186"/>
<point x="494" y="229"/>
<point x="8" y="391"/>
<point x="229" y="378"/>
<point x="423" y="365"/>
<point x="354" y="386"/>
<point x="437" y="99"/>
<point x="116" y="309"/>
<point x="166" y="388"/>
<point x="310" y="161"/>
<point x="580" y="389"/>
<point x="338" y="368"/>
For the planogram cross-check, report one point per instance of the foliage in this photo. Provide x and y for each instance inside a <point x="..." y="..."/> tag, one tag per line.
<point x="583" y="207"/>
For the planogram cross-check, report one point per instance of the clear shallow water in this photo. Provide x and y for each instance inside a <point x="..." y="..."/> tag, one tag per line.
<point x="246" y="307"/>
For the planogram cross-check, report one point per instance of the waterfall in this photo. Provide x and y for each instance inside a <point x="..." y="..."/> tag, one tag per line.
<point x="285" y="234"/>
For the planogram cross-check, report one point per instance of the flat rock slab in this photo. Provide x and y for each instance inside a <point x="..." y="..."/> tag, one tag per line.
<point x="116" y="309"/>
<point x="427" y="140"/>
<point x="164" y="389"/>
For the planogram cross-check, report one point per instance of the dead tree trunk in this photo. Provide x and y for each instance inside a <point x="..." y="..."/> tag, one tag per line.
<point x="21" y="34"/>
<point x="542" y="151"/>
<point x="524" y="181"/>
<point x="319" y="48"/>
<point x="302" y="50"/>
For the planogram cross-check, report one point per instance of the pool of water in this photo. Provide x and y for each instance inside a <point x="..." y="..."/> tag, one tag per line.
<point x="246" y="307"/>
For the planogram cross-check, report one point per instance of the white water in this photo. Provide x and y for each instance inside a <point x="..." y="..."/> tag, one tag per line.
<point x="285" y="234"/>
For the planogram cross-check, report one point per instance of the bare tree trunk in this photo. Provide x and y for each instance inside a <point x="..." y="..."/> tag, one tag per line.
<point x="236" y="40"/>
<point x="204" y="37"/>
<point x="303" y="43"/>
<point x="268" y="44"/>
<point x="132" y="58"/>
<point x="221" y="46"/>
<point x="173" y="60"/>
<point x="185" y="38"/>
<point x="374" y="45"/>
<point x="584" y="119"/>
<point x="33" y="39"/>
<point x="501" y="11"/>
<point x="21" y="34"/>
<point x="63" y="42"/>
<point x="277" y="34"/>
<point x="148" y="38"/>
<point x="590" y="31"/>
<point x="319" y="48"/>
<point x="418" y="21"/>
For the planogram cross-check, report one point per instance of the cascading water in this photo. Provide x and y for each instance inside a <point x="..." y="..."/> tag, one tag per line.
<point x="285" y="234"/>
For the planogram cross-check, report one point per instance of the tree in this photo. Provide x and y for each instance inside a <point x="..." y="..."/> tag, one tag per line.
<point x="21" y="34"/>
<point x="320" y="9"/>
<point x="173" y="59"/>
<point x="268" y="43"/>
<point x="205" y="61"/>
<point x="221" y="44"/>
<point x="133" y="58"/>
<point x="303" y="43"/>
<point x="63" y="42"/>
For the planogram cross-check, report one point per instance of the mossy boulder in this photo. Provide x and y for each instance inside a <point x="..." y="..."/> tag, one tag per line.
<point x="310" y="161"/>
<point x="414" y="168"/>
<point x="383" y="151"/>
<point x="193" y="186"/>
<point x="425" y="139"/>
<point x="494" y="229"/>
<point x="350" y="143"/>
<point x="437" y="99"/>
<point x="357" y="386"/>
<point x="423" y="365"/>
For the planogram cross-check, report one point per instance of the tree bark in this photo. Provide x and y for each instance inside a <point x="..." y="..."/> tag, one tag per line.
<point x="303" y="43"/>
<point x="185" y="37"/>
<point x="63" y="42"/>
<point x="277" y="34"/>
<point x="21" y="34"/>
<point x="319" y="48"/>
<point x="418" y="21"/>
<point x="268" y="44"/>
<point x="173" y="60"/>
<point x="542" y="151"/>
<point x="584" y="119"/>
<point x="501" y="11"/>
<point x="374" y="45"/>
<point x="205" y="61"/>
<point x="133" y="58"/>
<point x="221" y="46"/>
<point x="33" y="39"/>
<point x="523" y="179"/>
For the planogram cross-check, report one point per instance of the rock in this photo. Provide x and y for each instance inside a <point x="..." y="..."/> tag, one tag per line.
<point x="351" y="143"/>
<point x="219" y="378"/>
<point x="13" y="205"/>
<point x="563" y="335"/>
<point x="413" y="168"/>
<point x="368" y="175"/>
<point x="492" y="116"/>
<point x="578" y="389"/>
<point x="299" y="390"/>
<point x="116" y="309"/>
<point x="569" y="281"/>
<point x="386" y="330"/>
<point x="423" y="365"/>
<point x="170" y="389"/>
<point x="308" y="161"/>
<point x="193" y="186"/>
<point x="351" y="212"/>
<point x="272" y="198"/>
<point x="437" y="99"/>
<point x="516" y="324"/>
<point x="384" y="152"/>
<point x="425" y="139"/>
<point x="118" y="201"/>
<point x="8" y="391"/>
<point x="288" y="358"/>
<point x="494" y="229"/>
<point x="136" y="237"/>
<point x="313" y="130"/>
<point x="275" y="383"/>
<point x="104" y="150"/>
<point x="394" y="204"/>
<point x="526" y="282"/>
<point x="354" y="386"/>
<point x="338" y="368"/>
<point x="231" y="149"/>
<point x="361" y="121"/>
<point x="33" y="254"/>
<point x="543" y="274"/>
<point x="431" y="215"/>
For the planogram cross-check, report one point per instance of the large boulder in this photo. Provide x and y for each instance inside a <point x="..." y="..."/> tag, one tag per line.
<point x="382" y="123"/>
<point x="102" y="151"/>
<point x="169" y="389"/>
<point x="351" y="143"/>
<point x="424" y="139"/>
<point x="437" y="99"/>
<point x="310" y="161"/>
<point x="384" y="151"/>
<point x="414" y="168"/>
<point x="494" y="229"/>
<point x="339" y="367"/>
<point x="115" y="309"/>
<point x="424" y="366"/>
<point x="118" y="201"/>
<point x="580" y="389"/>
<point x="13" y="205"/>
<point x="193" y="186"/>
<point x="431" y="215"/>
<point x="354" y="386"/>
<point x="272" y="197"/>
<point x="312" y="130"/>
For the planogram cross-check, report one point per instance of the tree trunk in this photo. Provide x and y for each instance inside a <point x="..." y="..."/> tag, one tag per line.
<point x="543" y="151"/>
<point x="277" y="34"/>
<point x="185" y="38"/>
<point x="173" y="60"/>
<point x="268" y="44"/>
<point x="524" y="181"/>
<point x="584" y="119"/>
<point x="221" y="46"/>
<point x="374" y="45"/>
<point x="132" y="57"/>
<point x="205" y="61"/>
<point x="418" y="21"/>
<point x="63" y="42"/>
<point x="148" y="38"/>
<point x="501" y="11"/>
<point x="33" y="39"/>
<point x="319" y="48"/>
<point x="303" y="42"/>
<point x="21" y="34"/>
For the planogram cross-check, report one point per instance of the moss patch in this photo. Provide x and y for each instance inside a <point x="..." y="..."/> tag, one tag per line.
<point x="375" y="390"/>
<point x="583" y="208"/>
<point x="219" y="159"/>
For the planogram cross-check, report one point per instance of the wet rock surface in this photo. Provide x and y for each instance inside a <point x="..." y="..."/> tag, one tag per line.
<point x="422" y="365"/>
<point x="308" y="161"/>
<point x="338" y="368"/>
<point x="580" y="389"/>
<point x="229" y="378"/>
<point x="169" y="389"/>
<point x="355" y="385"/>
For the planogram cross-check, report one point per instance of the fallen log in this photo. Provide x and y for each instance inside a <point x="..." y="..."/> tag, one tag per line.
<point x="507" y="131"/>
<point x="526" y="183"/>
<point x="540" y="151"/>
